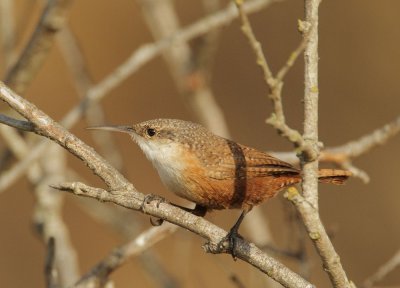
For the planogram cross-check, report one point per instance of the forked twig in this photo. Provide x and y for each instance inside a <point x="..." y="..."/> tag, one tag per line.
<point x="308" y="143"/>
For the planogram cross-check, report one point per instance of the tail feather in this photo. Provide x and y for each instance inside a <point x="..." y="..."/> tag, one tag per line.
<point x="333" y="176"/>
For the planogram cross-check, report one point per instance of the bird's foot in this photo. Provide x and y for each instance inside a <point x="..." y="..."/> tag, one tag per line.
<point x="152" y="197"/>
<point x="147" y="200"/>
<point x="229" y="243"/>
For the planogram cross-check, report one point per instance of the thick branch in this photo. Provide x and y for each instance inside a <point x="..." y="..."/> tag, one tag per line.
<point x="310" y="135"/>
<point x="316" y="231"/>
<point x="308" y="207"/>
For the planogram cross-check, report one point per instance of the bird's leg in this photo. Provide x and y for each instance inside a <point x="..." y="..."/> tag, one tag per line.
<point x="232" y="236"/>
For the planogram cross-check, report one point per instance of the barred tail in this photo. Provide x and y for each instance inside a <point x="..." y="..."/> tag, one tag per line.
<point x="333" y="176"/>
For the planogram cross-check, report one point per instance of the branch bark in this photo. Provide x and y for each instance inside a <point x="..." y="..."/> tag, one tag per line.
<point x="308" y="206"/>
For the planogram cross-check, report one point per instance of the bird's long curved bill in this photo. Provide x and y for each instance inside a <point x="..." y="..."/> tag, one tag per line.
<point x="114" y="128"/>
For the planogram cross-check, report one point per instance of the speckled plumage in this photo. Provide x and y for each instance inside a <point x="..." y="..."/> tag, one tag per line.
<point x="212" y="171"/>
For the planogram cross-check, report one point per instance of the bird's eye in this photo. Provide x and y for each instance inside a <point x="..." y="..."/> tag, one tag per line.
<point x="150" y="132"/>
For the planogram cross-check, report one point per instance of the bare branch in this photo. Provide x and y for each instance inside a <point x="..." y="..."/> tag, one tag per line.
<point x="47" y="215"/>
<point x="311" y="94"/>
<point x="275" y="84"/>
<point x="47" y="127"/>
<point x="49" y="269"/>
<point x="19" y="124"/>
<point x="39" y="45"/>
<point x="317" y="233"/>
<point x="292" y="59"/>
<point x="364" y="144"/>
<point x="343" y="155"/>
<point x="308" y="206"/>
<point x="383" y="271"/>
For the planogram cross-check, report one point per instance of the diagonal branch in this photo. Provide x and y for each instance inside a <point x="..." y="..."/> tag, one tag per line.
<point x="47" y="127"/>
<point x="364" y="144"/>
<point x="383" y="271"/>
<point x="39" y="45"/>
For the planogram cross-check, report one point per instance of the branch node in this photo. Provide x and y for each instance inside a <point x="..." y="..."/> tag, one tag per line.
<point x="291" y="193"/>
<point x="303" y="26"/>
<point x="314" y="235"/>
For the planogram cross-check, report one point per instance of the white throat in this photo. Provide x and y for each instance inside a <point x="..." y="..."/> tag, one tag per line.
<point x="166" y="158"/>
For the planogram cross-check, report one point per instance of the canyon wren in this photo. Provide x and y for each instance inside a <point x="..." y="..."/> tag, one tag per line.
<point x="214" y="172"/>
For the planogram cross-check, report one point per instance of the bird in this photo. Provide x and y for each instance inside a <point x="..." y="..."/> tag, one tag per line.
<point x="214" y="172"/>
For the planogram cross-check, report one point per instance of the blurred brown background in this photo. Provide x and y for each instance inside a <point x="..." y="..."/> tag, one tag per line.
<point x="359" y="91"/>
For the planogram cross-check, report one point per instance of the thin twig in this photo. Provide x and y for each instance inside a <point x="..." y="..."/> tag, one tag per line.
<point x="49" y="270"/>
<point x="291" y="60"/>
<point x="364" y="144"/>
<point x="343" y="155"/>
<point x="275" y="84"/>
<point x="19" y="124"/>
<point x="383" y="271"/>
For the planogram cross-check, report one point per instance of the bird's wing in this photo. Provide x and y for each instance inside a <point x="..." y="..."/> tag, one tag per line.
<point x="249" y="163"/>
